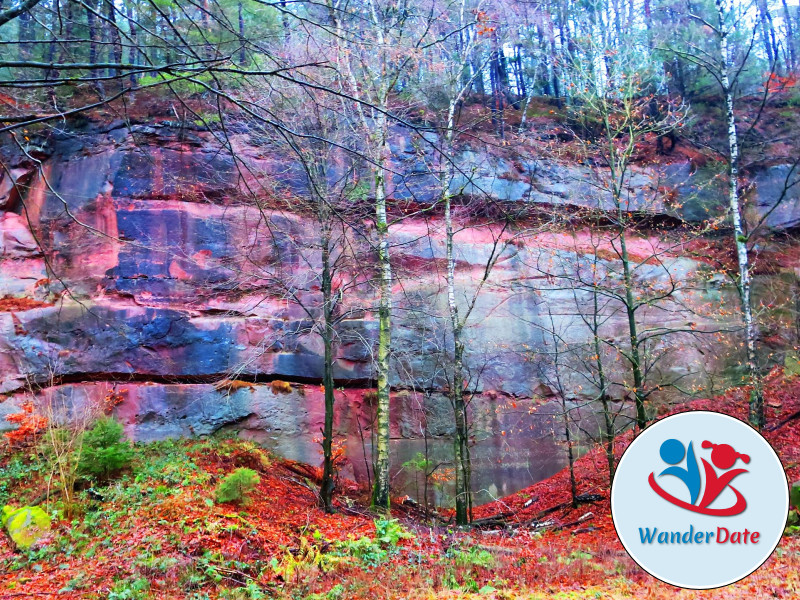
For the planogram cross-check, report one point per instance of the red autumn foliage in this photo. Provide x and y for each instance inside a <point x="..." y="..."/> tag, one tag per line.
<point x="483" y="27"/>
<point x="30" y="426"/>
<point x="113" y="397"/>
<point x="782" y="396"/>
<point x="11" y="304"/>
<point x="777" y="83"/>
<point x="572" y="557"/>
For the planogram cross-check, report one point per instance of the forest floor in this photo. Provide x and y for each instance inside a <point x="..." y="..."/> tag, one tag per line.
<point x="157" y="532"/>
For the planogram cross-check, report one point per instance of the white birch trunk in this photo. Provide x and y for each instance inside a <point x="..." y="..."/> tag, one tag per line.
<point x="744" y="283"/>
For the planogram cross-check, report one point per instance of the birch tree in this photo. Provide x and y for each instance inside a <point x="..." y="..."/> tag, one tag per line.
<point x="724" y="69"/>
<point x="723" y="30"/>
<point x="456" y="90"/>
<point x="377" y="44"/>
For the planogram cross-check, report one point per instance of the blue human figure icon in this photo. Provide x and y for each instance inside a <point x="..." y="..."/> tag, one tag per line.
<point x="672" y="453"/>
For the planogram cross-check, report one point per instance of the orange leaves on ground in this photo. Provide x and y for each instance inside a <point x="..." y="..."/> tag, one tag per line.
<point x="573" y="553"/>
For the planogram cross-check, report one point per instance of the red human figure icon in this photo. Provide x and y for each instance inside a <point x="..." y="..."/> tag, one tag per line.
<point x="724" y="457"/>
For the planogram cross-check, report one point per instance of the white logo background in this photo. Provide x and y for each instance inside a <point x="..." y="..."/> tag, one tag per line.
<point x="634" y="504"/>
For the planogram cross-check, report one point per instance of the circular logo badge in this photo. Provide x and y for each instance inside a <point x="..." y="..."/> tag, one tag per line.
<point x="699" y="500"/>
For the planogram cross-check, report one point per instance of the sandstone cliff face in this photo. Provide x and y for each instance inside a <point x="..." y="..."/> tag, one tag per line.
<point x="153" y="280"/>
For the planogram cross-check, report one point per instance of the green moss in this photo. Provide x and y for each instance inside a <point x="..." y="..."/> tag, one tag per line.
<point x="791" y="364"/>
<point x="26" y="525"/>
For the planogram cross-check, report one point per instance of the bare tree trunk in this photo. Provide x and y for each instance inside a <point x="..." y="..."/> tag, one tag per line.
<point x="791" y="43"/>
<point x="615" y="7"/>
<point x="461" y="451"/>
<point x="51" y="56"/>
<point x="24" y="35"/>
<point x="573" y="483"/>
<point x="287" y="32"/>
<point x="462" y="45"/>
<point x="376" y="131"/>
<point x="241" y="36"/>
<point x="498" y="90"/>
<point x="602" y="381"/>
<point x="133" y="51"/>
<point x="619" y="168"/>
<point x="740" y="239"/>
<point x="328" y="469"/>
<point x="463" y="461"/>
<point x="519" y="71"/>
<point x="554" y="62"/>
<point x="205" y="19"/>
<point x="548" y="62"/>
<point x="768" y="32"/>
<point x="461" y="438"/>
<point x="380" y="494"/>
<point x="630" y="311"/>
<point x="477" y="82"/>
<point x="115" y="50"/>
<point x="176" y="49"/>
<point x="610" y="433"/>
<point x="63" y="51"/>
<point x="93" y="38"/>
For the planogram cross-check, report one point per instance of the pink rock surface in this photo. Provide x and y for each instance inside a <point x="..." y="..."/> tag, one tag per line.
<point x="164" y="272"/>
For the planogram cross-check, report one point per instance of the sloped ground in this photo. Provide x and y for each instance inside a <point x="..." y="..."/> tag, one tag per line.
<point x="157" y="533"/>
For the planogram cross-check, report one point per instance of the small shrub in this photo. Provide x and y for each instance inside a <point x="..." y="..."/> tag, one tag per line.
<point x="365" y="549"/>
<point x="792" y="523"/>
<point x="17" y="473"/>
<point x="250" y="591"/>
<point x="169" y="463"/>
<point x="237" y="486"/>
<point x="388" y="532"/>
<point x="105" y="451"/>
<point x="372" y="552"/>
<point x="573" y="556"/>
<point x="794" y="496"/>
<point x="473" y="556"/>
<point x="135" y="589"/>
<point x="150" y="565"/>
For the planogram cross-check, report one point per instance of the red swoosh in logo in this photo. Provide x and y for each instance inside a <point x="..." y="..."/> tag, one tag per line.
<point x="737" y="508"/>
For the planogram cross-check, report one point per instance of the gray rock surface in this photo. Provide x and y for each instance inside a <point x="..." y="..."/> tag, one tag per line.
<point x="171" y="277"/>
